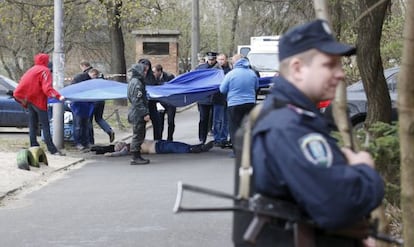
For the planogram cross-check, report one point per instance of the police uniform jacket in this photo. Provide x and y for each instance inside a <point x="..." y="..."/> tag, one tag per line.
<point x="295" y="158"/>
<point x="137" y="95"/>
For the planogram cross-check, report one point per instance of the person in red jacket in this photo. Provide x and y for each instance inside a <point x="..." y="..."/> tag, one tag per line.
<point x="34" y="88"/>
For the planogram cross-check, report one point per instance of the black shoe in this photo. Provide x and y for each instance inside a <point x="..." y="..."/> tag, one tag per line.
<point x="226" y="144"/>
<point x="111" y="137"/>
<point x="139" y="161"/>
<point x="196" y="148"/>
<point x="206" y="147"/>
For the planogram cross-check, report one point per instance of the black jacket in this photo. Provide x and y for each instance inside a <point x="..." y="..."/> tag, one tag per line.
<point x="81" y="76"/>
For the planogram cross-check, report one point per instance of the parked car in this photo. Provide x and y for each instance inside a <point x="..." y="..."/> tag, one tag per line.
<point x="12" y="114"/>
<point x="357" y="98"/>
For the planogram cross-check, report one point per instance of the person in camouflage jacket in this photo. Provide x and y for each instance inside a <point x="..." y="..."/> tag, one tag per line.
<point x="138" y="113"/>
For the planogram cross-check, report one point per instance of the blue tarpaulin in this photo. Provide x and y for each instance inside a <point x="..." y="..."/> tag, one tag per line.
<point x="182" y="90"/>
<point x="95" y="90"/>
<point x="188" y="88"/>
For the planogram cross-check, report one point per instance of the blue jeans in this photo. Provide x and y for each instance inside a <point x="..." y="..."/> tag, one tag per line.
<point x="220" y="123"/>
<point x="81" y="133"/>
<point x="166" y="147"/>
<point x="98" y="110"/>
<point x="35" y="116"/>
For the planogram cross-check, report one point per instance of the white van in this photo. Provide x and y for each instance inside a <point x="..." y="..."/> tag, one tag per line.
<point x="264" y="55"/>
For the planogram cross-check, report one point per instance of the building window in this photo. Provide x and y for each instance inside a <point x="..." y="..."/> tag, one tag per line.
<point x="156" y="48"/>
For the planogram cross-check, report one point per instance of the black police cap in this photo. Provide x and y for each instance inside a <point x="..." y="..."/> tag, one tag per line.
<point x="312" y="35"/>
<point x="211" y="55"/>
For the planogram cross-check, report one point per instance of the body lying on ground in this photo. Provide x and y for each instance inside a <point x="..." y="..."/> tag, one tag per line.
<point x="152" y="147"/>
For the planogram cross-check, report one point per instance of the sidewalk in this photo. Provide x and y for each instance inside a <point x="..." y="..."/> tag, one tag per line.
<point x="13" y="179"/>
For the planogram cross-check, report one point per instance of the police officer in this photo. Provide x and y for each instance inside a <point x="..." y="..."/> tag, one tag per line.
<point x="138" y="113"/>
<point x="205" y="105"/>
<point x="294" y="157"/>
<point x="149" y="79"/>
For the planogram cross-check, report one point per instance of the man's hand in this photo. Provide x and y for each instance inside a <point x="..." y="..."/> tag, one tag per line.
<point x="62" y="98"/>
<point x="358" y="158"/>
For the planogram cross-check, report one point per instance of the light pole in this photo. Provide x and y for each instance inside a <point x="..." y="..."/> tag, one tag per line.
<point x="58" y="72"/>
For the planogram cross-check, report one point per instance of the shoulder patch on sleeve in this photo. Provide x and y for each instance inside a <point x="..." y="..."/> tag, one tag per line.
<point x="139" y="94"/>
<point x="316" y="150"/>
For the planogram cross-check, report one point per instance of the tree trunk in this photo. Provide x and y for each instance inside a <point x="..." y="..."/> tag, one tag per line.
<point x="406" y="128"/>
<point x="118" y="64"/>
<point x="337" y="18"/>
<point x="234" y="21"/>
<point x="370" y="63"/>
<point x="372" y="74"/>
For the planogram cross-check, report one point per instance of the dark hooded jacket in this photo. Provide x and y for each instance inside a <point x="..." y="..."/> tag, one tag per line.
<point x="137" y="95"/>
<point x="35" y="86"/>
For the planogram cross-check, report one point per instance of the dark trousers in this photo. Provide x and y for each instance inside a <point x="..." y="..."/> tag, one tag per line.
<point x="138" y="135"/>
<point x="170" y="110"/>
<point x="167" y="147"/>
<point x="155" y="119"/>
<point x="235" y="116"/>
<point x="37" y="116"/>
<point x="203" y="124"/>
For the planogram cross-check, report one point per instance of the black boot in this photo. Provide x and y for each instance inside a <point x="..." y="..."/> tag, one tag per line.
<point x="138" y="160"/>
<point x="206" y="147"/>
<point x="196" y="148"/>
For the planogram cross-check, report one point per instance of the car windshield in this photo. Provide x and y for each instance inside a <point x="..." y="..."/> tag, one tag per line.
<point x="7" y="84"/>
<point x="264" y="61"/>
<point x="391" y="76"/>
<point x="357" y="86"/>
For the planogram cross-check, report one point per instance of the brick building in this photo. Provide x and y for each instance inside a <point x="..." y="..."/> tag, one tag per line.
<point x="159" y="46"/>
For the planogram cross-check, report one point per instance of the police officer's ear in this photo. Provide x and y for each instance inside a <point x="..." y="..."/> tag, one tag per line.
<point x="295" y="68"/>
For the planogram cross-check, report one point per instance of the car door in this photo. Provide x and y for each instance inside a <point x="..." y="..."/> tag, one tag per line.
<point x="12" y="114"/>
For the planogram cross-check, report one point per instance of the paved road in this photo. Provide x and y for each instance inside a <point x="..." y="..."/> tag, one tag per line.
<point x="107" y="202"/>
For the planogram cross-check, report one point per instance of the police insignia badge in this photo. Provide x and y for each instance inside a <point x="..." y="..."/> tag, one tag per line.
<point x="316" y="150"/>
